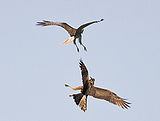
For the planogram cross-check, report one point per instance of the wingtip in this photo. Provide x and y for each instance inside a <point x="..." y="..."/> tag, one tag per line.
<point x="81" y="61"/>
<point x="127" y="105"/>
<point x="38" y="23"/>
<point x="102" y="19"/>
<point x="124" y="99"/>
<point x="42" y="23"/>
<point x="127" y="102"/>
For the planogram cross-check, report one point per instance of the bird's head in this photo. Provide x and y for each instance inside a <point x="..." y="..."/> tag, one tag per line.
<point x="91" y="81"/>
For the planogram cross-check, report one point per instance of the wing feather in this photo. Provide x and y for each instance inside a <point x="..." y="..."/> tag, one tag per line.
<point x="84" y="72"/>
<point x="87" y="24"/>
<point x="67" y="27"/>
<point x="108" y="96"/>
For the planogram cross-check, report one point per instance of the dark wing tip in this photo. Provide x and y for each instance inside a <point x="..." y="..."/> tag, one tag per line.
<point x="81" y="62"/>
<point x="102" y="19"/>
<point x="99" y="20"/>
<point x="82" y="65"/>
<point x="43" y="23"/>
<point x="38" y="23"/>
<point x="126" y="104"/>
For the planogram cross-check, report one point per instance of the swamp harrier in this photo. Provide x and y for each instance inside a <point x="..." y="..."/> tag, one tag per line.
<point x="88" y="88"/>
<point x="74" y="33"/>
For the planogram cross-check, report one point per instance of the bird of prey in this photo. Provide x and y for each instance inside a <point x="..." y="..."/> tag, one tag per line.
<point x="88" y="89"/>
<point x="74" y="33"/>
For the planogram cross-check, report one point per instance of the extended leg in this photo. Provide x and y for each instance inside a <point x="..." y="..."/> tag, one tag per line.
<point x="76" y="45"/>
<point x="76" y="88"/>
<point x="80" y="41"/>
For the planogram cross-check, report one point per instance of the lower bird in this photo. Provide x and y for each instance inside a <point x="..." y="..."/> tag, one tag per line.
<point x="88" y="89"/>
<point x="74" y="33"/>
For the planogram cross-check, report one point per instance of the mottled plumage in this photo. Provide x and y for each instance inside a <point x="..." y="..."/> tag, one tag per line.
<point x="74" y="33"/>
<point x="88" y="89"/>
<point x="108" y="96"/>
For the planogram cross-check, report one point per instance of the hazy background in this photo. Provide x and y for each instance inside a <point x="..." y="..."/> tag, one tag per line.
<point x="123" y="56"/>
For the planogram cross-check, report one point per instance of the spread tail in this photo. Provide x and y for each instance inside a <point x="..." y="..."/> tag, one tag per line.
<point x="69" y="40"/>
<point x="81" y="101"/>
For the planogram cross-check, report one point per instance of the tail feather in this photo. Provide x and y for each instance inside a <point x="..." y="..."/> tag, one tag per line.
<point x="81" y="101"/>
<point x="77" y="97"/>
<point x="69" y="40"/>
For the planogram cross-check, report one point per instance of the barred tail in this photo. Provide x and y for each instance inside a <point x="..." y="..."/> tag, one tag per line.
<point x="81" y="101"/>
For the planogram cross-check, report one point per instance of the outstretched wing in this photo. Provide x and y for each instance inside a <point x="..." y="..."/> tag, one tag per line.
<point x="108" y="96"/>
<point x="87" y="24"/>
<point x="84" y="72"/>
<point x="67" y="27"/>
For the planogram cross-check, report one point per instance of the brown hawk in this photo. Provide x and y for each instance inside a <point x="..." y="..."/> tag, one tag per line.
<point x="88" y="88"/>
<point x="74" y="33"/>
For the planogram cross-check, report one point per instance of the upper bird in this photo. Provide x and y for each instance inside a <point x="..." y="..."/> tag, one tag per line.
<point x="88" y="88"/>
<point x="74" y="33"/>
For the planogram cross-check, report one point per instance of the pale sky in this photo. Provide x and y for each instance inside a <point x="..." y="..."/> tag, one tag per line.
<point x="123" y="56"/>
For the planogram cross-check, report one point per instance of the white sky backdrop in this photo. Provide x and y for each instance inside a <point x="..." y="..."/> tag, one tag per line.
<point x="123" y="56"/>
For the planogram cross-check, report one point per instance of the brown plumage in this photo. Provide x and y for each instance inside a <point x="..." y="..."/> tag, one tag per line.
<point x="88" y="89"/>
<point x="73" y="32"/>
<point x="108" y="96"/>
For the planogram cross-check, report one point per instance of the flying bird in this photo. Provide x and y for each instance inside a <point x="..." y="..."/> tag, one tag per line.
<point x="88" y="89"/>
<point x="73" y="32"/>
